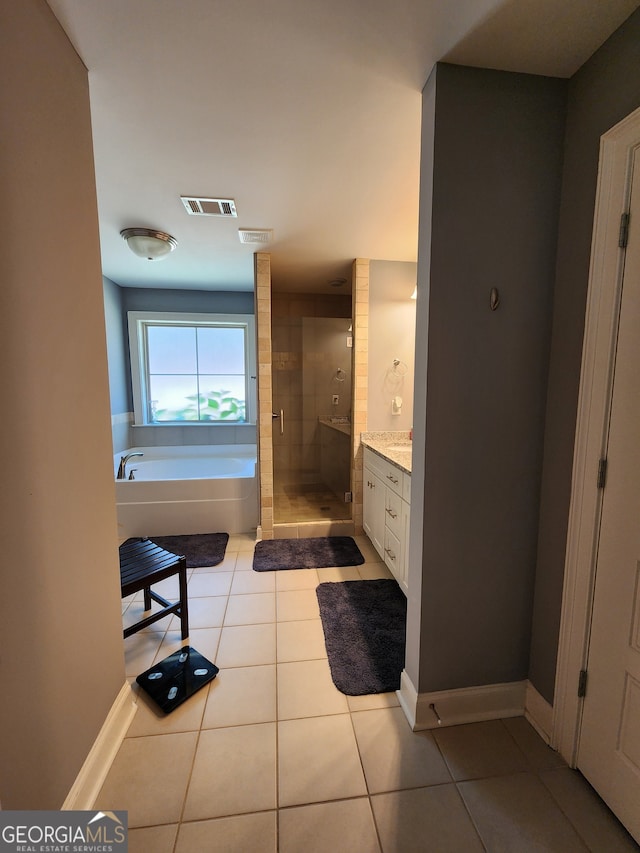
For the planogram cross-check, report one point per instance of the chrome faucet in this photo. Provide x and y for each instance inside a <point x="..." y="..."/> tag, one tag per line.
<point x="122" y="468"/>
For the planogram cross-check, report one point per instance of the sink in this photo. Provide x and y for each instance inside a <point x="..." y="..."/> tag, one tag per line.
<point x="397" y="447"/>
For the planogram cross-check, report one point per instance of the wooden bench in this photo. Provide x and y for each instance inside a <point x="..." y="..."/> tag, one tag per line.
<point x="143" y="563"/>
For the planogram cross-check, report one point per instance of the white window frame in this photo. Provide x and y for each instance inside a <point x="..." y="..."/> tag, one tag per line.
<point x="138" y="322"/>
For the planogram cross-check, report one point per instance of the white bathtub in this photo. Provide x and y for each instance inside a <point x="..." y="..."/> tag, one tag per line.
<point x="198" y="489"/>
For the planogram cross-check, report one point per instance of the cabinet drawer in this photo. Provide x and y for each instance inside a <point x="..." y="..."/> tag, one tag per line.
<point x="393" y="553"/>
<point x="393" y="512"/>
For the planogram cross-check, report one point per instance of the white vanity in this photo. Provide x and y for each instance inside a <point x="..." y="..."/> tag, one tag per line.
<point x="387" y="498"/>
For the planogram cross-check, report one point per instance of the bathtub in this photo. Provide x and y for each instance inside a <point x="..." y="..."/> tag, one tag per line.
<point x="197" y="489"/>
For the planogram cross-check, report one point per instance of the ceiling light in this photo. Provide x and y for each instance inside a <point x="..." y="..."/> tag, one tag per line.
<point x="149" y="244"/>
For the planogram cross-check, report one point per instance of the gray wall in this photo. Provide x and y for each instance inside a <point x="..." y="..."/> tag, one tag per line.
<point x="61" y="666"/>
<point x="496" y="188"/>
<point x="117" y="349"/>
<point x="604" y="91"/>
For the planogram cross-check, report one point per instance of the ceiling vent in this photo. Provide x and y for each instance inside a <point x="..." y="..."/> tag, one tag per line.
<point x="209" y="206"/>
<point x="261" y="235"/>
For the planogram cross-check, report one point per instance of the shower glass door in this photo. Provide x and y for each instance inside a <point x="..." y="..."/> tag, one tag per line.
<point x="312" y="378"/>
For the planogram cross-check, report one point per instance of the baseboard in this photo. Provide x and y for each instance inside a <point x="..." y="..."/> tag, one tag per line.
<point x="538" y="712"/>
<point x="465" y="705"/>
<point x="100" y="758"/>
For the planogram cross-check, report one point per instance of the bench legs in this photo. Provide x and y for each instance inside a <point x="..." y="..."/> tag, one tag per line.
<point x="180" y="608"/>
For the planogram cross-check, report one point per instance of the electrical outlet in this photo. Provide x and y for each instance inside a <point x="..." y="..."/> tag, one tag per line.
<point x="335" y="399"/>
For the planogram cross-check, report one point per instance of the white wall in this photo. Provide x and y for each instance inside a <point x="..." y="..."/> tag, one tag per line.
<point x="61" y="648"/>
<point x="392" y="321"/>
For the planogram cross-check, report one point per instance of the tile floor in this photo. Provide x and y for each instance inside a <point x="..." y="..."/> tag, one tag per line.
<point x="314" y="502"/>
<point x="271" y="757"/>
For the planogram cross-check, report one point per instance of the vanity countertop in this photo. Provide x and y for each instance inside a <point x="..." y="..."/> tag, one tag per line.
<point x="394" y="446"/>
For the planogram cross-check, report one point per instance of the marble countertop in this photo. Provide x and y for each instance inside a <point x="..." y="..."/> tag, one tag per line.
<point x="394" y="446"/>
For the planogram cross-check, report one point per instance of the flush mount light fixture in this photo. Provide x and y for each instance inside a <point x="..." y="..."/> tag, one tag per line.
<point x="149" y="244"/>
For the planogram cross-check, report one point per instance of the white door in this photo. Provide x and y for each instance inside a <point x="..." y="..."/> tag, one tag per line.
<point x="609" y="746"/>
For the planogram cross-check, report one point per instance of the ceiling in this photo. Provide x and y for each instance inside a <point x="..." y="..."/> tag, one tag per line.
<point x="306" y="114"/>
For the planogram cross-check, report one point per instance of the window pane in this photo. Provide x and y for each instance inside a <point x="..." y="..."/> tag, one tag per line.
<point x="222" y="398"/>
<point x="173" y="398"/>
<point x="221" y="350"/>
<point x="172" y="349"/>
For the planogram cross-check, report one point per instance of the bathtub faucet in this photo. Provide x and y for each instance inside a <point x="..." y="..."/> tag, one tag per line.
<point x="122" y="468"/>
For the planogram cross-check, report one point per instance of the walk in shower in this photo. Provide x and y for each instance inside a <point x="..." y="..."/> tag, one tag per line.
<point x="312" y="383"/>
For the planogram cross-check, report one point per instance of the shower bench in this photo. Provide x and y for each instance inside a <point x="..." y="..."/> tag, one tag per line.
<point x="143" y="563"/>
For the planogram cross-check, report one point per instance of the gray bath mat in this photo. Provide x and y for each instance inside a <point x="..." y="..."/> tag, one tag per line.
<point x="364" y="624"/>
<point x="200" y="549"/>
<point x="316" y="552"/>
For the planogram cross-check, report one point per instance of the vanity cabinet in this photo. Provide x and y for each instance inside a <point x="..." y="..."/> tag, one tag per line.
<point x="386" y="510"/>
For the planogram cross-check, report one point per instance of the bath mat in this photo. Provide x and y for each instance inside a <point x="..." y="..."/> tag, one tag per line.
<point x="316" y="552"/>
<point x="364" y="624"/>
<point x="176" y="678"/>
<point x="200" y="549"/>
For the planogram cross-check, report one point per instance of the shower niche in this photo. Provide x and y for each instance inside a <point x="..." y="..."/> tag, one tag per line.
<point x="312" y="392"/>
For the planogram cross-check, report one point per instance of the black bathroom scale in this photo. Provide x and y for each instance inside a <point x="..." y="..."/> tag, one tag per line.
<point x="176" y="678"/>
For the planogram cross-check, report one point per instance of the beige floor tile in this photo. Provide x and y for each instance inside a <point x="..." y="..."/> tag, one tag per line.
<point x="373" y="701"/>
<point x="247" y="582"/>
<point x="517" y="813"/>
<point x="318" y="761"/>
<point x="296" y="579"/>
<point x="480" y="749"/>
<point x="242" y="541"/>
<point x="393" y="756"/>
<point x="241" y="696"/>
<point x="140" y="651"/>
<point x="160" y="839"/>
<point x="247" y="645"/>
<point x="151" y="720"/>
<point x="244" y="562"/>
<point x="367" y="548"/>
<point x="234" y="772"/>
<point x="594" y="822"/>
<point x="305" y="689"/>
<point x="135" y="612"/>
<point x="539" y="755"/>
<point x="249" y="833"/>
<point x="203" y="613"/>
<point x="337" y="574"/>
<point x="203" y="640"/>
<point x="251" y="609"/>
<point x="149" y="778"/>
<point x="374" y="572"/>
<point x="344" y="826"/>
<point x="425" y="820"/>
<point x="300" y="640"/>
<point x="297" y="604"/>
<point x="208" y="584"/>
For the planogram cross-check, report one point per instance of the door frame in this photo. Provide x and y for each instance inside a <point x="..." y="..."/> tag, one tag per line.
<point x="594" y="402"/>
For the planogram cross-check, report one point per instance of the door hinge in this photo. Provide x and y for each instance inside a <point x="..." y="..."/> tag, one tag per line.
<point x="582" y="684"/>
<point x="623" y="237"/>
<point x="602" y="473"/>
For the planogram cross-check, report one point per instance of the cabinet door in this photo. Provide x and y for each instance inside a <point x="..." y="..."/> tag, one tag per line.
<point x="406" y="513"/>
<point x="373" y="509"/>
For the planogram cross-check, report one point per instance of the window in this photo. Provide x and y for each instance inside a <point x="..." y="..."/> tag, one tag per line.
<point x="192" y="368"/>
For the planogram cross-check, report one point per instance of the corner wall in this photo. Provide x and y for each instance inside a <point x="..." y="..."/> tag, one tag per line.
<point x="62" y="661"/>
<point x="496" y="171"/>
<point x="603" y="92"/>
